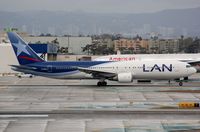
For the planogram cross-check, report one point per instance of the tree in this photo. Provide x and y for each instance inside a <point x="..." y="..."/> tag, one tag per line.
<point x="55" y="41"/>
<point x="87" y="48"/>
<point x="181" y="44"/>
<point x="154" y="50"/>
<point x="41" y="35"/>
<point x="187" y="45"/>
<point x="194" y="47"/>
<point x="131" y="50"/>
<point x="97" y="49"/>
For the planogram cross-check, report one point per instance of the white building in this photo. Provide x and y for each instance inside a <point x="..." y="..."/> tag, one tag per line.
<point x="7" y="57"/>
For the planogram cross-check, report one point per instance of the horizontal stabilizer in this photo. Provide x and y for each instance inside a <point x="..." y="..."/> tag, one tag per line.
<point x="23" y="67"/>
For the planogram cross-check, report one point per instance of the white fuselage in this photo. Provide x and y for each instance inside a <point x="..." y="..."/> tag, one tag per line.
<point x="160" y="69"/>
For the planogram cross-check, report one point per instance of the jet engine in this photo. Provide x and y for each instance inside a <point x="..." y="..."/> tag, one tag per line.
<point x="125" y="77"/>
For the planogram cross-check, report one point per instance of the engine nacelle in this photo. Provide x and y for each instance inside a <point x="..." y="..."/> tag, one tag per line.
<point x="125" y="77"/>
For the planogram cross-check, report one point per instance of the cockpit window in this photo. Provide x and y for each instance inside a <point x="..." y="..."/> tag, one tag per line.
<point x="188" y="66"/>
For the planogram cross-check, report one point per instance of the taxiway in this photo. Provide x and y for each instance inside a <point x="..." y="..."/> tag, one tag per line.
<point x="45" y="105"/>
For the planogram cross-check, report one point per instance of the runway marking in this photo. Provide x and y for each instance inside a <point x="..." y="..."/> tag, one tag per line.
<point x="23" y="116"/>
<point x="16" y="82"/>
<point x="2" y="87"/>
<point x="182" y="91"/>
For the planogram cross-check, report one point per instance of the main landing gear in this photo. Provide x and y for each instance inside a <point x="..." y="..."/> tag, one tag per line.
<point x="101" y="83"/>
<point x="185" y="79"/>
<point x="180" y="83"/>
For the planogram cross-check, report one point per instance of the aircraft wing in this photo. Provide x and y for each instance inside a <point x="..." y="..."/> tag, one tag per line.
<point x="97" y="73"/>
<point x="194" y="62"/>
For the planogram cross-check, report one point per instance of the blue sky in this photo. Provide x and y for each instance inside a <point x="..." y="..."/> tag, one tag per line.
<point x="99" y="6"/>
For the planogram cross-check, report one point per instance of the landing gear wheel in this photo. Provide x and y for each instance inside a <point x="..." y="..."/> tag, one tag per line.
<point x="180" y="83"/>
<point x="104" y="83"/>
<point x="101" y="83"/>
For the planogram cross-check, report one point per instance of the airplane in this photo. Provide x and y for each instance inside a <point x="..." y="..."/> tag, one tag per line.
<point x="121" y="71"/>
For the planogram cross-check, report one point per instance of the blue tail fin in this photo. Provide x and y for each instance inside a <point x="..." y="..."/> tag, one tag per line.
<point x="25" y="54"/>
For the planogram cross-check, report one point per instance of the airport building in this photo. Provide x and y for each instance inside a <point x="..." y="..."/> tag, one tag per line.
<point x="7" y="57"/>
<point x="162" y="46"/>
<point x="73" y="45"/>
<point x="135" y="45"/>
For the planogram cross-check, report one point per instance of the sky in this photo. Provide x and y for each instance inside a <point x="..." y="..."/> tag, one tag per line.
<point x="98" y="6"/>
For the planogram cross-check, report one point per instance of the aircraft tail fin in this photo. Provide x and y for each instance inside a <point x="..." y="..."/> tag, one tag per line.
<point x="24" y="53"/>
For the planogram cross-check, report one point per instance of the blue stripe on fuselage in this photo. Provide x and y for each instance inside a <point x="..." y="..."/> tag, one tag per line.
<point x="59" y="67"/>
